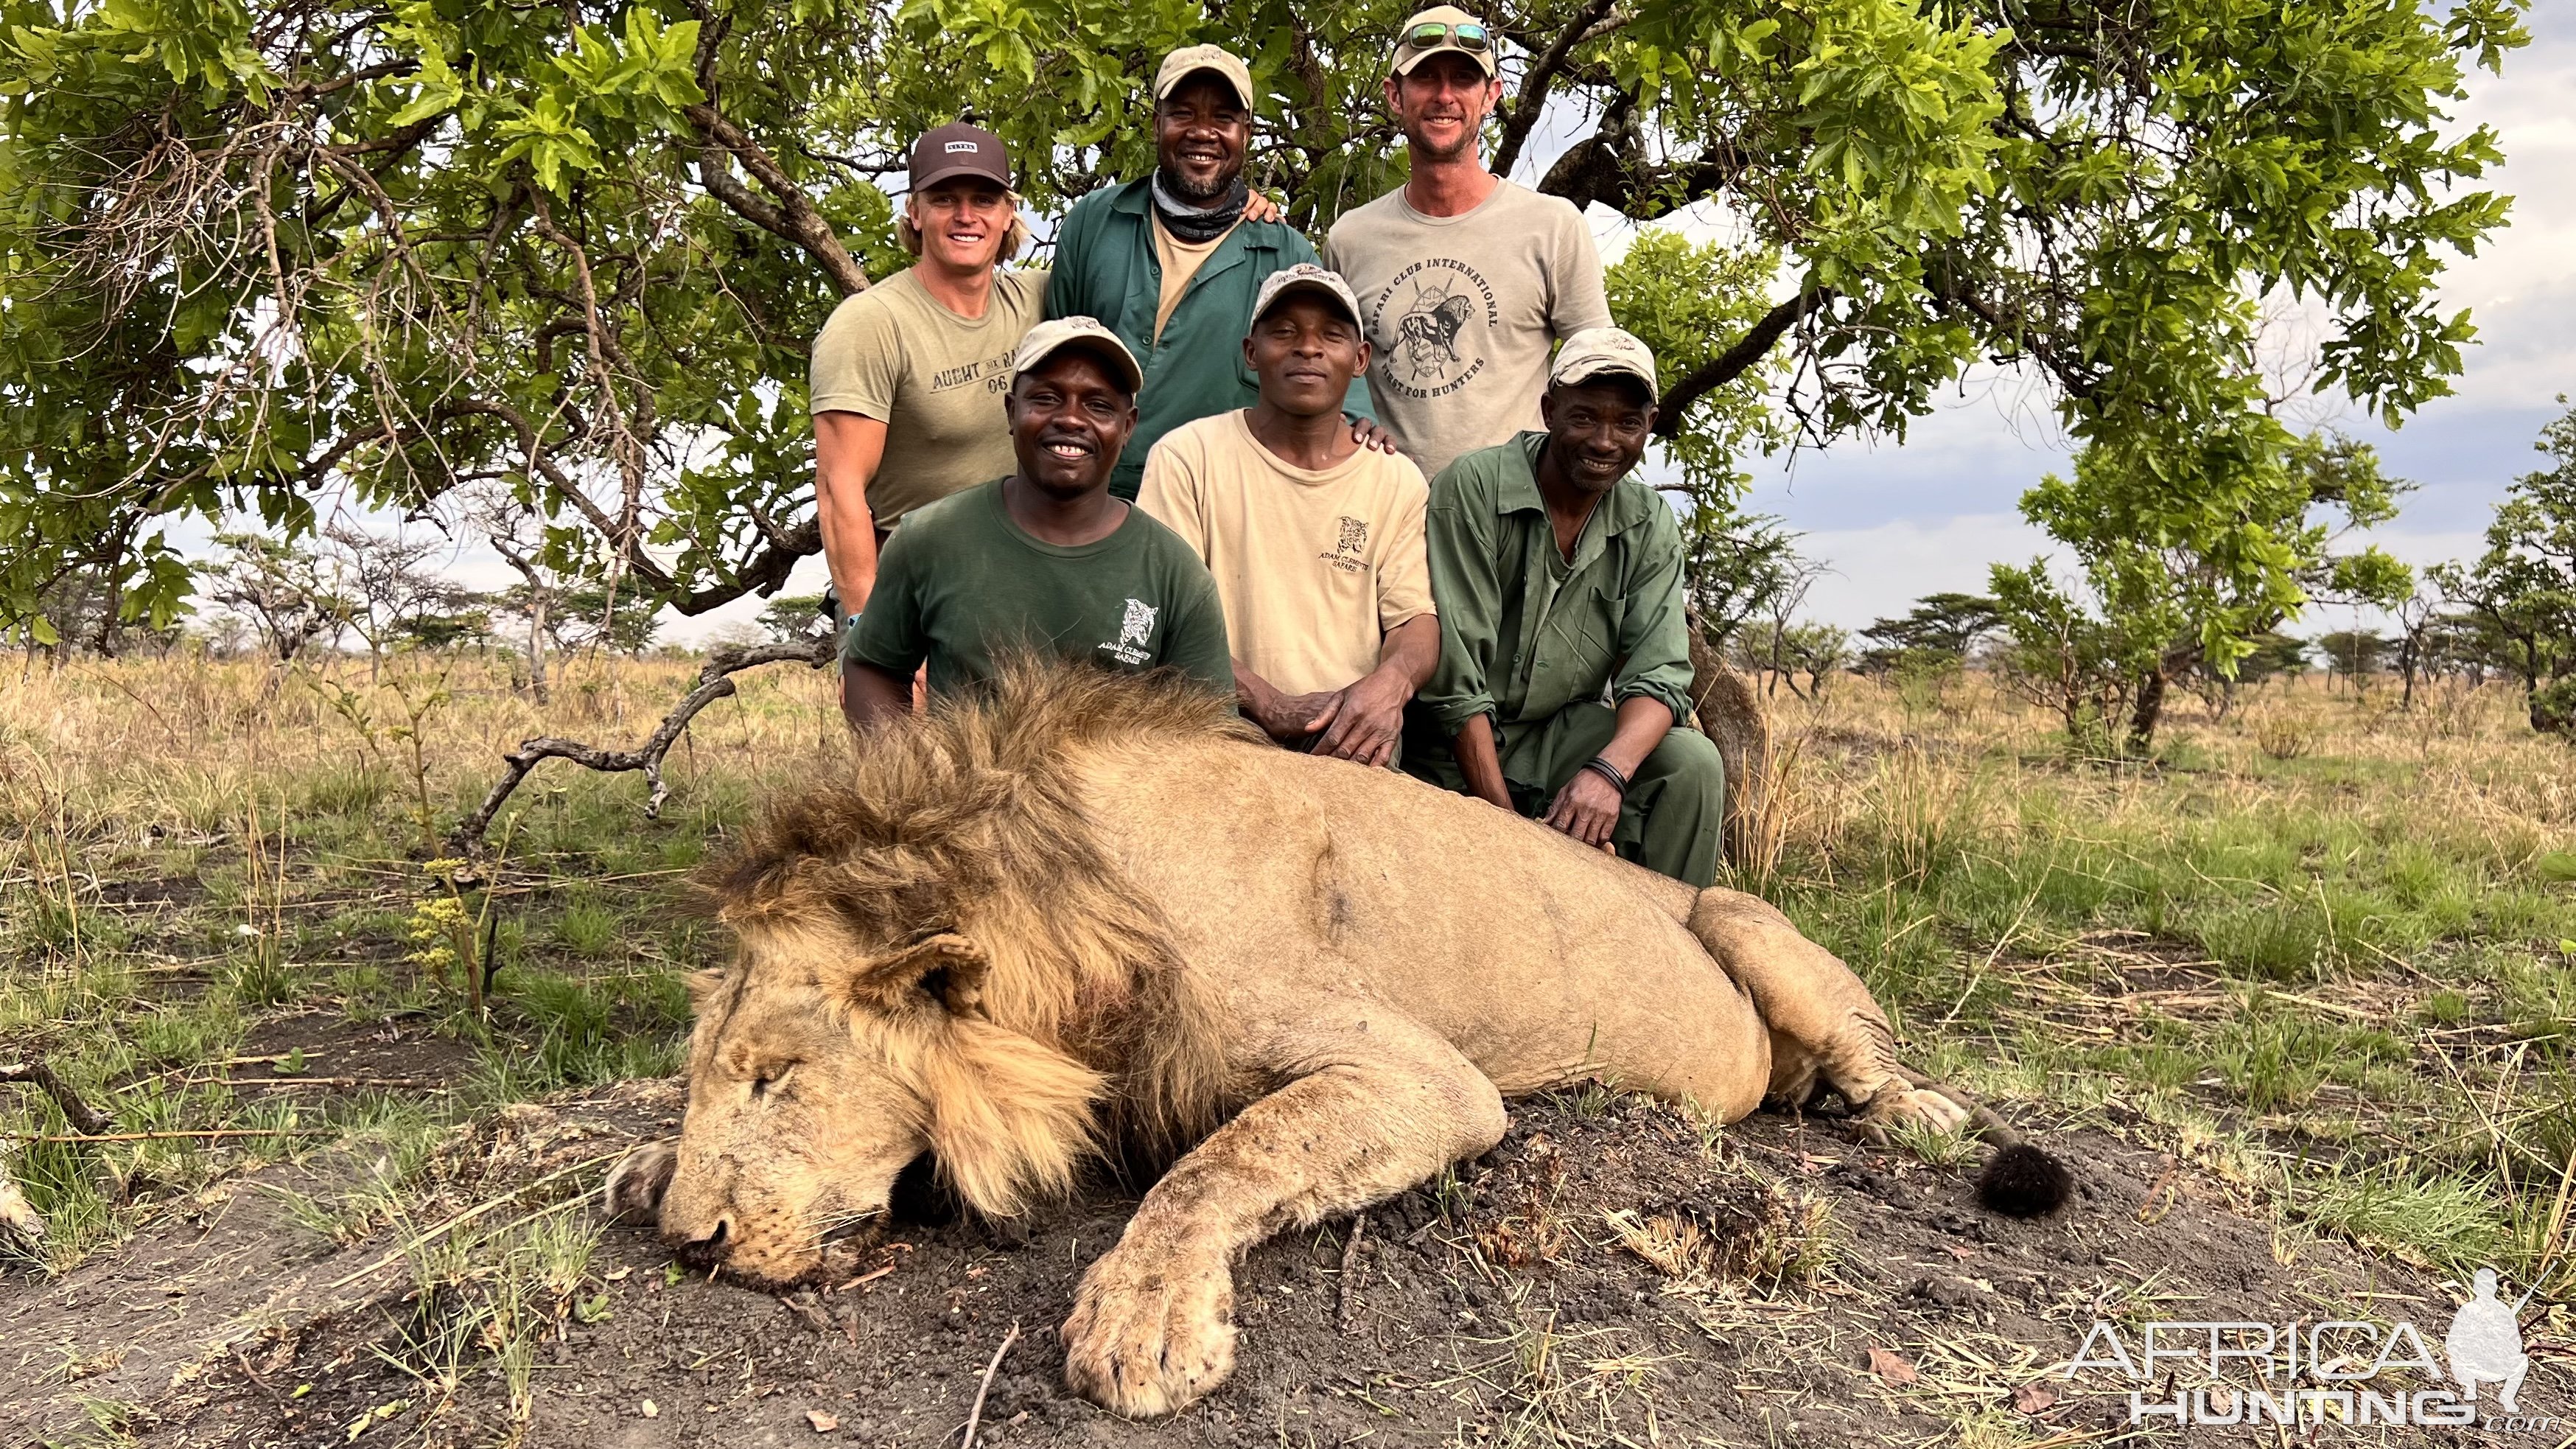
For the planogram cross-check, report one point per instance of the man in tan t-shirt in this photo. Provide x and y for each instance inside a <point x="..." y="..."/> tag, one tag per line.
<point x="1314" y="540"/>
<point x="909" y="375"/>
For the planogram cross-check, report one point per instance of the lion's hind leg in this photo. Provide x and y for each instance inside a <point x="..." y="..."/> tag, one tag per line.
<point x="1378" y="1104"/>
<point x="1826" y="1030"/>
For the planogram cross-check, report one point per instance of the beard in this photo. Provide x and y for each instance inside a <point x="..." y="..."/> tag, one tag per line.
<point x="1183" y="189"/>
<point x="1423" y="150"/>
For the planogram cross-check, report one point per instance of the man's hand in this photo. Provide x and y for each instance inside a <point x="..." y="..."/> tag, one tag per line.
<point x="1288" y="718"/>
<point x="1366" y="433"/>
<point x="1367" y="719"/>
<point x="1259" y="207"/>
<point x="1587" y="809"/>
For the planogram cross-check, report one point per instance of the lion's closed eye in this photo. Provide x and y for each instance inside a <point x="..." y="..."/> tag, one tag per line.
<point x="772" y="1078"/>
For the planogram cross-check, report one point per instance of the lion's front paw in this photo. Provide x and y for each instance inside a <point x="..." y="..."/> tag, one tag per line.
<point x="638" y="1181"/>
<point x="1911" y="1107"/>
<point x="1149" y="1334"/>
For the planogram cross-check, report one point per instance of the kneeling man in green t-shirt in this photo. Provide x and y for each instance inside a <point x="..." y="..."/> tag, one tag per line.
<point x="1044" y="560"/>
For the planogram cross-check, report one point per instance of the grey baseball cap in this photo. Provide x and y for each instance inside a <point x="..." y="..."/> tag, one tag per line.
<point x="1605" y="352"/>
<point x="1305" y="277"/>
<point x="1189" y="60"/>
<point x="1047" y="339"/>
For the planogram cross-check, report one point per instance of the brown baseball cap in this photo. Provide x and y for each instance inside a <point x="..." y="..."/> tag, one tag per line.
<point x="958" y="149"/>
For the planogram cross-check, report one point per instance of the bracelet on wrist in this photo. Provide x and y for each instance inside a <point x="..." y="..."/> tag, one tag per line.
<point x="1609" y="772"/>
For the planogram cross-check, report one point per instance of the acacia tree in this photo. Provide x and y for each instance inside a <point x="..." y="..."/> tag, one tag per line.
<point x="259" y="252"/>
<point x="2521" y="593"/>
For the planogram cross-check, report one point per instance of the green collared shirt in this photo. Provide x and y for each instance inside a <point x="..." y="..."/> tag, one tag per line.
<point x="1524" y="632"/>
<point x="1105" y="267"/>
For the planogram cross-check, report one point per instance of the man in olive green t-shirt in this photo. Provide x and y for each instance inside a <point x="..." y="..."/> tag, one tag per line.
<point x="1043" y="560"/>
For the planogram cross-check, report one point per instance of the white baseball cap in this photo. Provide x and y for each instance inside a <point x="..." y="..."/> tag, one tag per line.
<point x="1605" y="352"/>
<point x="1047" y="339"/>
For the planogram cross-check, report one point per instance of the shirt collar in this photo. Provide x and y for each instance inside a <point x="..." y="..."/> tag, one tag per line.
<point x="1136" y="198"/>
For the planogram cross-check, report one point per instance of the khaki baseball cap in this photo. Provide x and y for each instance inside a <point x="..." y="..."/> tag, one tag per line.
<point x="958" y="149"/>
<point x="1605" y="352"/>
<point x="1047" y="339"/>
<point x="1189" y="60"/>
<point x="1305" y="277"/>
<point x="1473" y="41"/>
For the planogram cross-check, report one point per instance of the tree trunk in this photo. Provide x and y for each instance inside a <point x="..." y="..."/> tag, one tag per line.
<point x="537" y="644"/>
<point x="2148" y="712"/>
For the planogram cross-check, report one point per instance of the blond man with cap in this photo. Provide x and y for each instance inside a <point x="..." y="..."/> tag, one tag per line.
<point x="1171" y="263"/>
<point x="1314" y="540"/>
<point x="908" y="375"/>
<point x="1465" y="279"/>
<point x="1559" y="581"/>
<point x="1042" y="560"/>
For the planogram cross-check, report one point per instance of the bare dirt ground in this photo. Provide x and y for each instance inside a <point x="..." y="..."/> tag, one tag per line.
<point x="1608" y="1275"/>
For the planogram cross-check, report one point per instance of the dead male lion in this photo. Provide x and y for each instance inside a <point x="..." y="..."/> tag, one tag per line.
<point x="1093" y="898"/>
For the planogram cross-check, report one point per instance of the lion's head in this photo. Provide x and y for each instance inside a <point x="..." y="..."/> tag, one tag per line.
<point x="934" y="956"/>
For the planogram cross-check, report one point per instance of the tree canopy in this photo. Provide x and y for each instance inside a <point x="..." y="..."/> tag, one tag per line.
<point x="571" y="257"/>
<point x="2520" y="595"/>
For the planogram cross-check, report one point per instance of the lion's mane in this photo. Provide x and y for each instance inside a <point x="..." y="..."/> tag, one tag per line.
<point x="966" y="821"/>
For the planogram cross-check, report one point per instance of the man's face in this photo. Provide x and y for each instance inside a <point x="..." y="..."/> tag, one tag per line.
<point x="1069" y="417"/>
<point x="1597" y="430"/>
<point x="1441" y="103"/>
<point x="1306" y="350"/>
<point x="962" y="221"/>
<point x="1200" y="133"/>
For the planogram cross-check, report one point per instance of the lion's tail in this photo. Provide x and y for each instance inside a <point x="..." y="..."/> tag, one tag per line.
<point x="2020" y="1179"/>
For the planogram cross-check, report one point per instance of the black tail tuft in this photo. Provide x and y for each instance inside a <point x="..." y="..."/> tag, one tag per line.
<point x="2020" y="1181"/>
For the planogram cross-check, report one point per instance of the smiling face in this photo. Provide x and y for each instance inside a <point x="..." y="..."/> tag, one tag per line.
<point x="1597" y="430"/>
<point x="963" y="222"/>
<point x="1440" y="103"/>
<point x="1306" y="350"/>
<point x="1069" y="416"/>
<point x="1201" y="131"/>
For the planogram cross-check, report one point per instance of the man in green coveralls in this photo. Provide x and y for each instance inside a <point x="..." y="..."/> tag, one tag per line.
<point x="1043" y="560"/>
<point x="1565" y="674"/>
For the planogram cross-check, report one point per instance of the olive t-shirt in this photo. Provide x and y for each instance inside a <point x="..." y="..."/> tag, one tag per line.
<point x="935" y="379"/>
<point x="960" y="585"/>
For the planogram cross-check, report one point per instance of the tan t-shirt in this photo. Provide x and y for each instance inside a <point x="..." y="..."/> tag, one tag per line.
<point x="1181" y="261"/>
<point x="935" y="379"/>
<point x="1313" y="566"/>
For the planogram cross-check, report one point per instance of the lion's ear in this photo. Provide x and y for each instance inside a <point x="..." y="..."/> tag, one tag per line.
<point x="947" y="969"/>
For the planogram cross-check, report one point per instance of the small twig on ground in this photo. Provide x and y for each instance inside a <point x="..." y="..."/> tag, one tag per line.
<point x="1346" y="1313"/>
<point x="975" y="1415"/>
<point x="75" y="1111"/>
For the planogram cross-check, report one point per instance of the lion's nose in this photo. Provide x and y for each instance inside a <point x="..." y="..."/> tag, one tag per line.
<point x="708" y="1251"/>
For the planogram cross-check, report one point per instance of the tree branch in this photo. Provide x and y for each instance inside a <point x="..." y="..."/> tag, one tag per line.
<point x="1731" y="364"/>
<point x="84" y="1119"/>
<point x="714" y="682"/>
<point x="1537" y="80"/>
<point x="793" y="217"/>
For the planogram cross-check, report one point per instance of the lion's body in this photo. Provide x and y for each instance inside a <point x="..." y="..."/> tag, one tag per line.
<point x="1087" y="893"/>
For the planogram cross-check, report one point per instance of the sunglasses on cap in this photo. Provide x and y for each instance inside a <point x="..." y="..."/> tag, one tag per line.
<point x="1470" y="36"/>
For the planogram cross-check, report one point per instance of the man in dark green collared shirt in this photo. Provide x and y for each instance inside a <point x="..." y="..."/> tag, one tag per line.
<point x="1565" y="661"/>
<point x="1172" y="262"/>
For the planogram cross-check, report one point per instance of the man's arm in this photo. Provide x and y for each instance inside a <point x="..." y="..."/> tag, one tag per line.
<point x="1287" y="718"/>
<point x="1481" y="763"/>
<point x="1582" y="299"/>
<point x="1365" y="721"/>
<point x="1588" y="807"/>
<point x="870" y="696"/>
<point x="848" y="447"/>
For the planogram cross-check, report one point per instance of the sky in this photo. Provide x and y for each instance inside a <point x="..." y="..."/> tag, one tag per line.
<point x="1895" y="520"/>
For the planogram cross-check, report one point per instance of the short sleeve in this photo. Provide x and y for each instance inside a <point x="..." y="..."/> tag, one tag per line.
<point x="1194" y="642"/>
<point x="891" y="634"/>
<point x="1404" y="574"/>
<point x="858" y="360"/>
<point x="1581" y="298"/>
<point x="1170" y="492"/>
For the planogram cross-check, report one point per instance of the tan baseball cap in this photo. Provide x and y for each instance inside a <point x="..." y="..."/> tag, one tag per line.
<point x="1458" y="31"/>
<point x="1181" y="64"/>
<point x="1305" y="277"/>
<point x="1047" y="339"/>
<point x="1605" y="352"/>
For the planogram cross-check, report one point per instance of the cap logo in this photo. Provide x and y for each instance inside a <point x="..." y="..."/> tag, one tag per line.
<point x="969" y="147"/>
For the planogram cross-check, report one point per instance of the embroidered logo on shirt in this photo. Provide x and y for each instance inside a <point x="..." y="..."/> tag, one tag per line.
<point x="1129" y="647"/>
<point x="1350" y="549"/>
<point x="1421" y="324"/>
